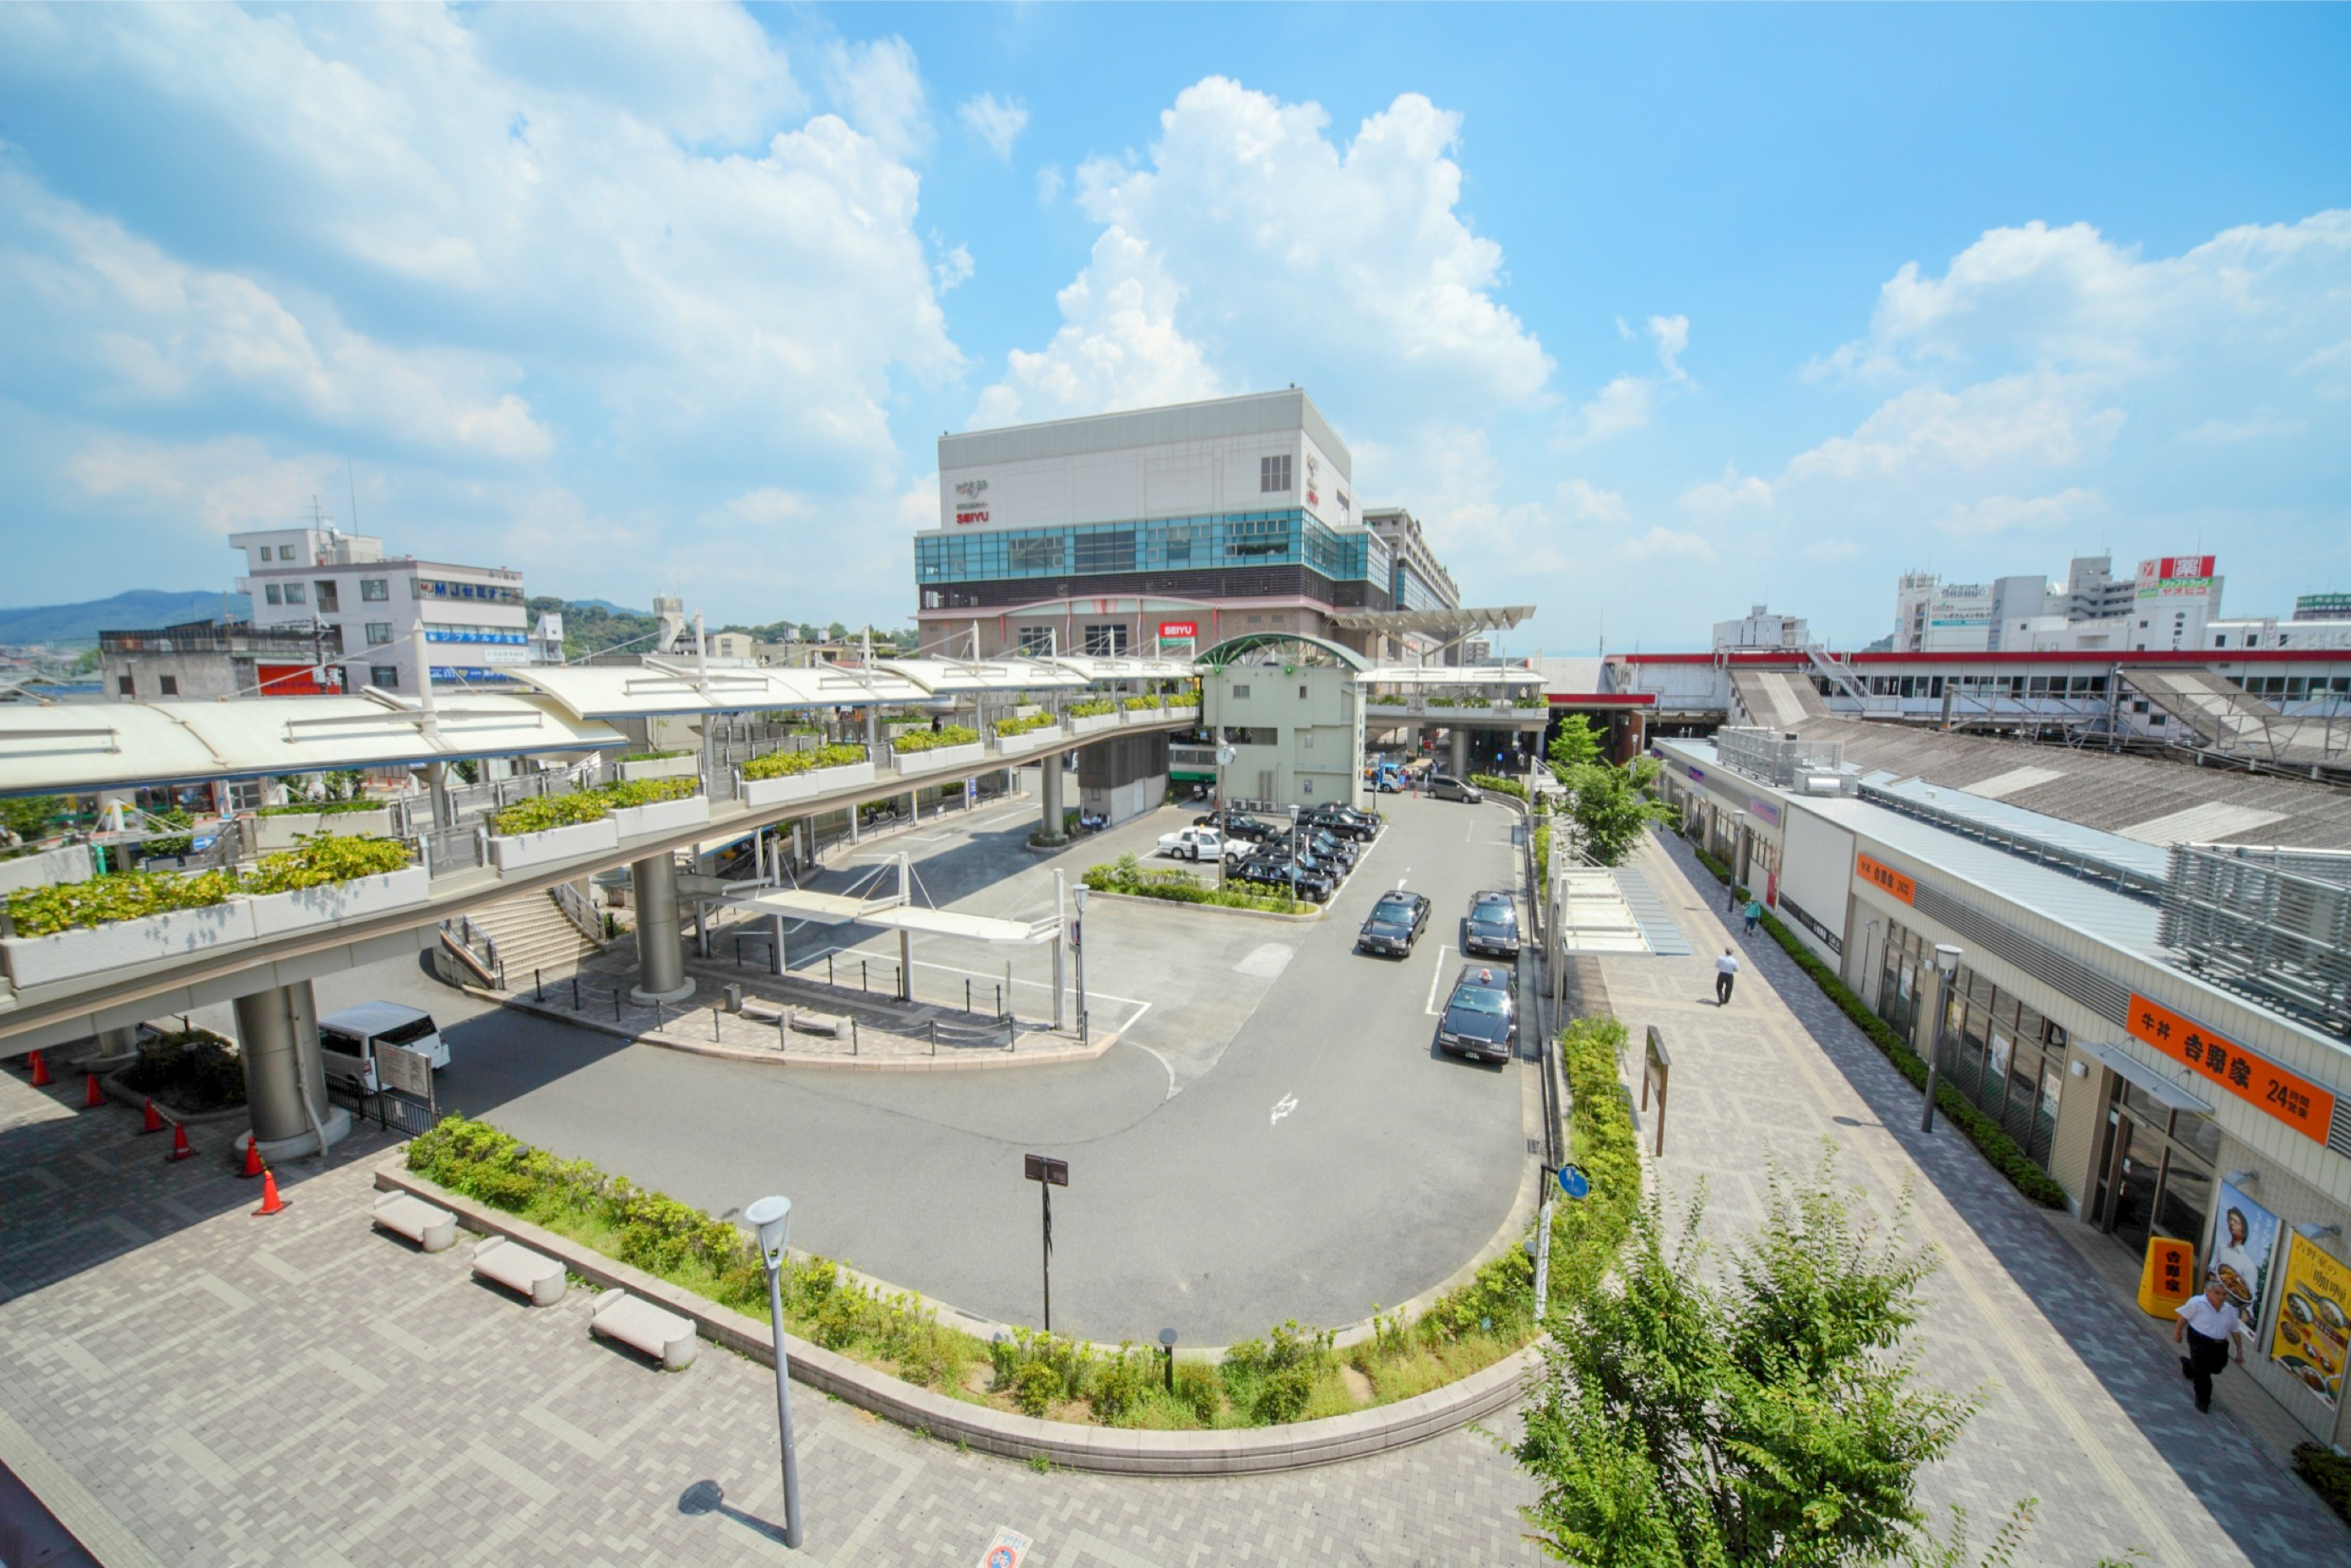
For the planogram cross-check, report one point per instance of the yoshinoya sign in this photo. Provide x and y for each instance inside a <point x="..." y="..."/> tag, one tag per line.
<point x="2217" y="1061"/>
<point x="1878" y="874"/>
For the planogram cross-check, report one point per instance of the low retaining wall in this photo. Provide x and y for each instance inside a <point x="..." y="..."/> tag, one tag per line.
<point x="1115" y="1450"/>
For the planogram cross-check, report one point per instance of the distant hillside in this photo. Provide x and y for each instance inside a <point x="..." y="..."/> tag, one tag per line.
<point x="77" y="625"/>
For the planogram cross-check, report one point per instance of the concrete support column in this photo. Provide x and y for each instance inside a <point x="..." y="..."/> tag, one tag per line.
<point x="1460" y="751"/>
<point x="1049" y="787"/>
<point x="113" y="1042"/>
<point x="285" y="1081"/>
<point x="660" y="958"/>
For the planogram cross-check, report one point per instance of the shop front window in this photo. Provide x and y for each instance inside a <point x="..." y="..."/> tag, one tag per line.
<point x="2156" y="1171"/>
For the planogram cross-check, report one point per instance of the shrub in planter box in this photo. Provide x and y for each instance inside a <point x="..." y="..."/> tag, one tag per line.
<point x="302" y="909"/>
<point x="85" y="950"/>
<point x="661" y="816"/>
<point x="1087" y="723"/>
<point x="280" y="827"/>
<point x="516" y="851"/>
<point x="661" y="765"/>
<point x="942" y="759"/>
<point x="781" y="776"/>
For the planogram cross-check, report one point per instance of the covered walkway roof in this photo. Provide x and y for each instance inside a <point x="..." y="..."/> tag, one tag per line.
<point x="1433" y="622"/>
<point x="841" y="909"/>
<point x="1454" y="676"/>
<point x="119" y="746"/>
<point x="1269" y="645"/>
<point x="665" y="687"/>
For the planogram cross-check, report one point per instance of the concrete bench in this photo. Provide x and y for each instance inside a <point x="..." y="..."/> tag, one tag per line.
<point x="808" y="1022"/>
<point x="432" y="1228"/>
<point x="642" y="1326"/>
<point x="519" y="1270"/>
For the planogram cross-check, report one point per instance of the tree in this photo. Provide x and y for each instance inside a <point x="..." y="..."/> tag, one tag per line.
<point x="1773" y="1417"/>
<point x="29" y="815"/>
<point x="1608" y="809"/>
<point x="835" y="633"/>
<point x="1574" y="745"/>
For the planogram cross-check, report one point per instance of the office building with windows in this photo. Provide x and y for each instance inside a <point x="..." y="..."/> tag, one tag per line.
<point x="473" y="617"/>
<point x="1179" y="527"/>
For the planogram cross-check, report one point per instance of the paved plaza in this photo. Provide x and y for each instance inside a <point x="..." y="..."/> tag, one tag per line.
<point x="2082" y="1408"/>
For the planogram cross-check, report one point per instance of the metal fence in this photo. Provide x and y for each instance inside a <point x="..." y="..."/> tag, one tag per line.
<point x="2272" y="922"/>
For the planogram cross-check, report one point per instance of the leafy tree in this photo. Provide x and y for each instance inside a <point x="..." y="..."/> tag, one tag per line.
<point x="1773" y="1417"/>
<point x="1608" y="809"/>
<point x="85" y="663"/>
<point x="29" y="815"/>
<point x="835" y="633"/>
<point x="1575" y="744"/>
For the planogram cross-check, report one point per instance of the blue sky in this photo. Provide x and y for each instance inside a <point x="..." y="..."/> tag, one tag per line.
<point x="1648" y="313"/>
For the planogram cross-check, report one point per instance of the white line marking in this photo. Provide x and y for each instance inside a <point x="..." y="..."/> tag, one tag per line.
<point x="1287" y="1104"/>
<point x="1438" y="979"/>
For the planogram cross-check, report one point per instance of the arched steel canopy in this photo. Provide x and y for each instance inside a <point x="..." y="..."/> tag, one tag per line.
<point x="675" y="688"/>
<point x="1232" y="650"/>
<point x="78" y="746"/>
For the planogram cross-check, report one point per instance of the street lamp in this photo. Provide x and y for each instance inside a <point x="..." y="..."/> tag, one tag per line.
<point x="1223" y="811"/>
<point x="1946" y="966"/>
<point x="1167" y="1346"/>
<point x="771" y="1220"/>
<point x="1078" y="946"/>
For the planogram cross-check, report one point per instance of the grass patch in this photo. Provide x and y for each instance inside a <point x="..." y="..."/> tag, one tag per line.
<point x="1182" y="887"/>
<point x="1990" y="1139"/>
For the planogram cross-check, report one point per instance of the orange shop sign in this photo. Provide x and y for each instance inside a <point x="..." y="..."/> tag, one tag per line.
<point x="2223" y="1063"/>
<point x="1878" y="874"/>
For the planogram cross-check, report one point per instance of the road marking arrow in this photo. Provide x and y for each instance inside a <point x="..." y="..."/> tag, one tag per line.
<point x="1289" y="1103"/>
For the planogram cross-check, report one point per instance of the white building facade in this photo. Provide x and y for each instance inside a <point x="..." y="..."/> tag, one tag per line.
<point x="474" y="618"/>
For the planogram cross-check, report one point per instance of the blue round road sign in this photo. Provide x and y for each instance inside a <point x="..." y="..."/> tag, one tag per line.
<point x="1573" y="1182"/>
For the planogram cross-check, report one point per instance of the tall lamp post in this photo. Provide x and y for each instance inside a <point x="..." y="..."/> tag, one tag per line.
<point x="1946" y="966"/>
<point x="1078" y="947"/>
<point x="1223" y="811"/>
<point x="771" y="1220"/>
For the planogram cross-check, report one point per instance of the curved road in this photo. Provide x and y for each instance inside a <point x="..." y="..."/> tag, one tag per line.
<point x="1273" y="1138"/>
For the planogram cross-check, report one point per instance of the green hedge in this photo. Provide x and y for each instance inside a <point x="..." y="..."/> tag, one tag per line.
<point x="1513" y="788"/>
<point x="1183" y="887"/>
<point x="932" y="739"/>
<point x="654" y="755"/>
<point x="1005" y="727"/>
<point x="1141" y="704"/>
<point x="540" y="812"/>
<point x="2327" y="1472"/>
<point x="318" y="808"/>
<point x="784" y="764"/>
<point x="1092" y="707"/>
<point x="1990" y="1139"/>
<point x="1388" y="699"/>
<point x="133" y="895"/>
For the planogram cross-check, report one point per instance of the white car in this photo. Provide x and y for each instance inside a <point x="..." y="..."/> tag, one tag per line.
<point x="1201" y="844"/>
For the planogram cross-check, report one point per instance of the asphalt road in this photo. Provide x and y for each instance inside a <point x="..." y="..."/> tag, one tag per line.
<point x="1274" y="1135"/>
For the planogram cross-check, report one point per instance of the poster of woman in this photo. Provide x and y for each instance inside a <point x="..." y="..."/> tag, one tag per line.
<point x="2243" y="1250"/>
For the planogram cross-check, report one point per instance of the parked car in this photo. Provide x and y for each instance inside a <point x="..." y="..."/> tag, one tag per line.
<point x="1330" y="847"/>
<point x="349" y="1039"/>
<point x="1480" y="1018"/>
<point x="1196" y="844"/>
<point x="1444" y="787"/>
<point x="1395" y="923"/>
<point x="1239" y="825"/>
<point x="1298" y="881"/>
<point x="1343" y="823"/>
<point x="1493" y="926"/>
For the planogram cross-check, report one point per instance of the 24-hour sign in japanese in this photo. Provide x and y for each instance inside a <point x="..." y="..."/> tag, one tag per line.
<point x="1878" y="874"/>
<point x="2223" y="1063"/>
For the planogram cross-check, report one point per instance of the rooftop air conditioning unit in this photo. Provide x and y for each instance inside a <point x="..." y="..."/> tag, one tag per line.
<point x="1823" y="784"/>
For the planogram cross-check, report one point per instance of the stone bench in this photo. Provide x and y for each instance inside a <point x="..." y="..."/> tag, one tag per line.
<point x="642" y="1326"/>
<point x="807" y="1022"/>
<point x="434" y="1229"/>
<point x="530" y="1274"/>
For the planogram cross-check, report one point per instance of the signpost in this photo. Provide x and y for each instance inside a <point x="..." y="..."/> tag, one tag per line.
<point x="1048" y="1173"/>
<point x="1658" y="1070"/>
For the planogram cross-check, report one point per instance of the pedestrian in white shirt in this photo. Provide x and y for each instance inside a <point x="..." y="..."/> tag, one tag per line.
<point x="1726" y="970"/>
<point x="2208" y="1324"/>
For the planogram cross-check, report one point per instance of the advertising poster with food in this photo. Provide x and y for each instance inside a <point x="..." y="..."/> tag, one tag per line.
<point x="2314" y="1320"/>
<point x="2243" y="1250"/>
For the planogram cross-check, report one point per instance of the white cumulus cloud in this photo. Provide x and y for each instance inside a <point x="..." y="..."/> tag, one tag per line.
<point x="998" y="122"/>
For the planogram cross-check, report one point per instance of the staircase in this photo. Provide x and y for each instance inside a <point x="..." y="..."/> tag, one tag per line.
<point x="529" y="932"/>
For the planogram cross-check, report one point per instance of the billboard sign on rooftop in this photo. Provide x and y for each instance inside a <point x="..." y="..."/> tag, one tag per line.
<point x="2174" y="575"/>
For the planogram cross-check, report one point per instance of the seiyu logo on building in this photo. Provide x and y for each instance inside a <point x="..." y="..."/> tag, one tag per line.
<point x="971" y="508"/>
<point x="1313" y="478"/>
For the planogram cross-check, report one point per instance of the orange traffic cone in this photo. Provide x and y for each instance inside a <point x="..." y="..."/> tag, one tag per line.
<point x="180" y="1149"/>
<point x="40" y="1070"/>
<point x="270" y="1202"/>
<point x="93" y="1096"/>
<point x="252" y="1165"/>
<point x="155" y="1120"/>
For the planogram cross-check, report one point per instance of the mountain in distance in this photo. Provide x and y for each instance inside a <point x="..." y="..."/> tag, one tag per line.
<point x="608" y="608"/>
<point x="137" y="609"/>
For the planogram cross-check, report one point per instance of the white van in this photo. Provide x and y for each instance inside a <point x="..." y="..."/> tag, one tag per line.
<point x="347" y="1039"/>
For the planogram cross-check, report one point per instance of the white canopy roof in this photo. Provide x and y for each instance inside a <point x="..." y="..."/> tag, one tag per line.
<point x="841" y="909"/>
<point x="943" y="675"/>
<point x="1453" y="676"/>
<point x="92" y="746"/>
<point x="805" y="904"/>
<point x="665" y="686"/>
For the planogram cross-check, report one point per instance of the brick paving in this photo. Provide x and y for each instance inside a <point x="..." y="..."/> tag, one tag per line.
<point x="187" y="1382"/>
<point x="2081" y="1406"/>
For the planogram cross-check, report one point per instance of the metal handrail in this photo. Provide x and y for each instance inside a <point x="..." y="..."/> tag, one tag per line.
<point x="582" y="915"/>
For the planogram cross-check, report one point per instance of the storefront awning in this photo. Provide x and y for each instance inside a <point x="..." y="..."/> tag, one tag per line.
<point x="2147" y="1076"/>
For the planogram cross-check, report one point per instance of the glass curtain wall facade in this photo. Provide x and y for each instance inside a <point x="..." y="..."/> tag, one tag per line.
<point x="1283" y="538"/>
<point x="1997" y="1051"/>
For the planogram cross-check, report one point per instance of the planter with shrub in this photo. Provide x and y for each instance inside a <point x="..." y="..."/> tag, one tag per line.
<point x="1016" y="736"/>
<point x="782" y="776"/>
<point x="660" y="765"/>
<point x="544" y="828"/>
<point x="282" y="827"/>
<point x="952" y="746"/>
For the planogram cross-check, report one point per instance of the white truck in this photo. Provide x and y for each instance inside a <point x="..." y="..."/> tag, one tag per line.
<point x="1201" y="844"/>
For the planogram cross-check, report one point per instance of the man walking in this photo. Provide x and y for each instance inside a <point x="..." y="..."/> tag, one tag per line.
<point x="1726" y="970"/>
<point x="1754" y="913"/>
<point x="2207" y="1324"/>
